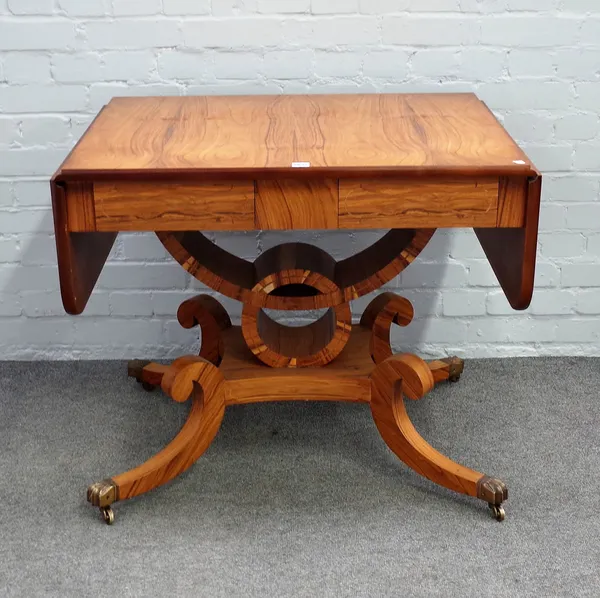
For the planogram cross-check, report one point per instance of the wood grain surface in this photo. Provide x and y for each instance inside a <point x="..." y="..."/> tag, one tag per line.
<point x="512" y="251"/>
<point x="215" y="205"/>
<point x="393" y="203"/>
<point x="391" y="381"/>
<point x="81" y="256"/>
<point x="296" y="263"/>
<point x="81" y="212"/>
<point x="512" y="201"/>
<point x="386" y="309"/>
<point x="313" y="345"/>
<point x="204" y="382"/>
<point x="239" y="364"/>
<point x="290" y="204"/>
<point x="212" y="318"/>
<point x="434" y="134"/>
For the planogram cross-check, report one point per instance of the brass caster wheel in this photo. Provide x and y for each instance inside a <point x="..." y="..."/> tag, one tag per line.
<point x="147" y="386"/>
<point x="108" y="515"/>
<point x="498" y="512"/>
<point x="454" y="379"/>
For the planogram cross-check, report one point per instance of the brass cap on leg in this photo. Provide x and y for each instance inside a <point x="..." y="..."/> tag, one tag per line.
<point x="491" y="490"/>
<point x="103" y="494"/>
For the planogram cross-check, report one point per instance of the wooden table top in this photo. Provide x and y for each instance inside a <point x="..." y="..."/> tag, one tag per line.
<point x="328" y="135"/>
<point x="175" y="165"/>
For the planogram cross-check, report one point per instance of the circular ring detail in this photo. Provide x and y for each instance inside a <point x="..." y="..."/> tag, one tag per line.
<point x="281" y="346"/>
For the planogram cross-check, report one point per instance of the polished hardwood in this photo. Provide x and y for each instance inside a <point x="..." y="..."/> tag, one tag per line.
<point x="408" y="164"/>
<point x="296" y="264"/>
<point x="512" y="251"/>
<point x="81" y="209"/>
<point x="81" y="256"/>
<point x="512" y="200"/>
<point x="408" y="376"/>
<point x="289" y="204"/>
<point x="385" y="203"/>
<point x="214" y="205"/>
<point x="359" y="376"/>
<point x="412" y="161"/>
<point x="205" y="384"/>
<point x="295" y="135"/>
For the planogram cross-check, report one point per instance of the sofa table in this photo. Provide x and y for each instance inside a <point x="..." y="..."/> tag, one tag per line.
<point x="407" y="163"/>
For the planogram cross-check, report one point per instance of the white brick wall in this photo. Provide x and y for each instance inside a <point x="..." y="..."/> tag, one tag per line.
<point x="535" y="62"/>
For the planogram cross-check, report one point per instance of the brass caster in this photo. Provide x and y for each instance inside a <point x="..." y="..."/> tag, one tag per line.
<point x="456" y="367"/>
<point x="147" y="386"/>
<point x="135" y="368"/>
<point x="108" y="515"/>
<point x="498" y="512"/>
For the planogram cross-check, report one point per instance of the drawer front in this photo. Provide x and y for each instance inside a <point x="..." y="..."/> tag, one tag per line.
<point x="131" y="206"/>
<point x="292" y="204"/>
<point x="395" y="203"/>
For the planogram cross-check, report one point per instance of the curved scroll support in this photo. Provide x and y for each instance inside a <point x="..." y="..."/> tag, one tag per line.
<point x="386" y="309"/>
<point x="204" y="381"/>
<point x="353" y="277"/>
<point x="205" y="311"/>
<point x="370" y="269"/>
<point x="408" y="375"/>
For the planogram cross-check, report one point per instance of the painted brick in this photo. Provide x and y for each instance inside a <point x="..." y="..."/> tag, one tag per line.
<point x="231" y="33"/>
<point x="42" y="130"/>
<point x="289" y="64"/>
<point x="464" y="303"/>
<point x="534" y="31"/>
<point x="31" y="7"/>
<point x="10" y="250"/>
<point x="283" y="6"/>
<point x="132" y="34"/>
<point x="76" y="68"/>
<point x="37" y="35"/>
<point x="89" y="8"/>
<point x="421" y="30"/>
<point x="186" y="7"/>
<point x="577" y="188"/>
<point x="588" y="302"/>
<point x="127" y="66"/>
<point x="581" y="275"/>
<point x="43" y="98"/>
<point x="578" y="126"/>
<point x="579" y="216"/>
<point x="535" y="62"/>
<point x="183" y="65"/>
<point x="136" y="7"/>
<point x="25" y="67"/>
<point x="333" y="6"/>
<point x="554" y="245"/>
<point x="130" y="304"/>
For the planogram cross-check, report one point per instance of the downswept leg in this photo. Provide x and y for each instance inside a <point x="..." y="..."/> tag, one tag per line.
<point x="408" y="375"/>
<point x="205" y="383"/>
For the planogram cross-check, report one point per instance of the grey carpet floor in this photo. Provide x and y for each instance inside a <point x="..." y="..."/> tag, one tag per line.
<point x="302" y="499"/>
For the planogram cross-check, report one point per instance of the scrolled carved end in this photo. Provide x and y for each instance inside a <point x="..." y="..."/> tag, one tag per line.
<point x="205" y="311"/>
<point x="386" y="309"/>
<point x="492" y="490"/>
<point x="103" y="494"/>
